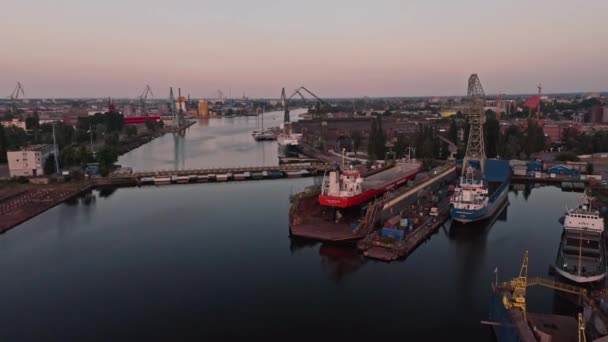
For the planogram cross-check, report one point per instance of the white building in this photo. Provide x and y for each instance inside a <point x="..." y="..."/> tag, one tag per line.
<point x="29" y="161"/>
<point x="15" y="122"/>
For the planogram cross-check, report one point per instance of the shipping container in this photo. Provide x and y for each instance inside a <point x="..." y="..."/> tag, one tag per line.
<point x="497" y="170"/>
<point x="393" y="221"/>
<point x="392" y="233"/>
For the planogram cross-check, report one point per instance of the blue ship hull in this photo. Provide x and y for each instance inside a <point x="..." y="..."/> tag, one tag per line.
<point x="506" y="331"/>
<point x="496" y="199"/>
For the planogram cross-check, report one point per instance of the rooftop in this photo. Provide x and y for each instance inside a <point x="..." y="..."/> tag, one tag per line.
<point x="37" y="147"/>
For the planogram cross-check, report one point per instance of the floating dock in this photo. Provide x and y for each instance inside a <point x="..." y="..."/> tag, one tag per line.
<point x="378" y="245"/>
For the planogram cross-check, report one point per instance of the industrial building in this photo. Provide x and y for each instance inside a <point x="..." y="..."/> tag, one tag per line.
<point x="14" y="123"/>
<point x="28" y="161"/>
<point x="203" y="108"/>
<point x="562" y="170"/>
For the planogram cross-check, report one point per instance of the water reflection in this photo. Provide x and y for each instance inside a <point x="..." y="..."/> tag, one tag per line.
<point x="297" y="244"/>
<point x="204" y="122"/>
<point x="470" y="242"/>
<point x="179" y="156"/>
<point x="106" y="192"/>
<point x="340" y="260"/>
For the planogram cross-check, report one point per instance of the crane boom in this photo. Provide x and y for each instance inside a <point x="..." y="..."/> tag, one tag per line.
<point x="15" y="96"/>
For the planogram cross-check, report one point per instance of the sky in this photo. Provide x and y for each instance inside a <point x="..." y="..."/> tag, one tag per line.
<point x="336" y="48"/>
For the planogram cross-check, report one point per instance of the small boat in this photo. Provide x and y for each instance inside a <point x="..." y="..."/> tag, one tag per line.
<point x="203" y="179"/>
<point x="257" y="175"/>
<point x="212" y="177"/>
<point x="275" y="174"/>
<point x="162" y="180"/>
<point x="242" y="176"/>
<point x="301" y="173"/>
<point x="146" y="180"/>
<point x="223" y="177"/>
<point x="192" y="179"/>
<point x="182" y="179"/>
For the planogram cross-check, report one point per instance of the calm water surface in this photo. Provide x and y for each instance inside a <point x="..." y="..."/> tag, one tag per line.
<point x="216" y="260"/>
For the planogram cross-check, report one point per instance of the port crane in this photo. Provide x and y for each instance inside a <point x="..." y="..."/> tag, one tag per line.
<point x="475" y="145"/>
<point x="15" y="96"/>
<point x="534" y="103"/>
<point x="317" y="107"/>
<point x="518" y="286"/>
<point x="144" y="97"/>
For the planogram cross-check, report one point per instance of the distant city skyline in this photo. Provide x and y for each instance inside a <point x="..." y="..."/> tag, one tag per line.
<point x="69" y="48"/>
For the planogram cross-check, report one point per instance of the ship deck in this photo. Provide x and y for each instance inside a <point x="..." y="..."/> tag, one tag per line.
<point x="560" y="328"/>
<point x="382" y="178"/>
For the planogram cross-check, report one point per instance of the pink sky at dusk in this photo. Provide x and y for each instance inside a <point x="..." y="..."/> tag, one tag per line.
<point x="69" y="48"/>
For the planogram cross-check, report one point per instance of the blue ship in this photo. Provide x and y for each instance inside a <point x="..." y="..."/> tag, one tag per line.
<point x="477" y="198"/>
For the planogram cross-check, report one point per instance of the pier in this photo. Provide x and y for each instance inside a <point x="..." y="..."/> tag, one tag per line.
<point x="158" y="177"/>
<point x="31" y="202"/>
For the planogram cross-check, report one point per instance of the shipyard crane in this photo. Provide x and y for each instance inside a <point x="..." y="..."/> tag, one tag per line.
<point x="144" y="97"/>
<point x="298" y="91"/>
<point x="534" y="103"/>
<point x="285" y="102"/>
<point x="475" y="145"/>
<point x="15" y="96"/>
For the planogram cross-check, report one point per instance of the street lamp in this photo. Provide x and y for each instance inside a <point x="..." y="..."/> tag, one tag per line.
<point x="55" y="149"/>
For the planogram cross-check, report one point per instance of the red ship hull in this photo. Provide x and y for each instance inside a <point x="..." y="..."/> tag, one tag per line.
<point x="346" y="202"/>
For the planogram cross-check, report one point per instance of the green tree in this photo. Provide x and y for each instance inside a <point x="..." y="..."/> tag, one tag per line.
<point x="373" y="136"/>
<point x="453" y="132"/>
<point x="357" y="138"/>
<point x="492" y="134"/>
<point x="49" y="165"/>
<point x="401" y="145"/>
<point x="150" y="125"/>
<point x="3" y="145"/>
<point x="131" y="131"/>
<point x="33" y="121"/>
<point x="380" y="141"/>
<point x="566" y="156"/>
<point x="106" y="157"/>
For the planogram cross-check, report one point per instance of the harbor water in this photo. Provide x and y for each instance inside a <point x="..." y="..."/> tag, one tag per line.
<point x="216" y="261"/>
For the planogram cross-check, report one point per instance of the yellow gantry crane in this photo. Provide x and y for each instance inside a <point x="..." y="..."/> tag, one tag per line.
<point x="519" y="285"/>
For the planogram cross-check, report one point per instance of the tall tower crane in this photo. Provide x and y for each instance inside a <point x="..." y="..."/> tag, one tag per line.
<point x="285" y="101"/>
<point x="144" y="97"/>
<point x="475" y="145"/>
<point x="534" y="103"/>
<point x="539" y="101"/>
<point x="15" y="96"/>
<point x="319" y="102"/>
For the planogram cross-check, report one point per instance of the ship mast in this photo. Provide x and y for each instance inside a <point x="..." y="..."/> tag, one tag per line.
<point x="475" y="145"/>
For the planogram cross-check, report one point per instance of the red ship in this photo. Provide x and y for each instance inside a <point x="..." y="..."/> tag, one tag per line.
<point x="338" y="211"/>
<point x="350" y="189"/>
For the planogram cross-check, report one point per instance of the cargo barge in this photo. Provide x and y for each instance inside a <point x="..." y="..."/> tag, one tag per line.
<point x="341" y="208"/>
<point x="400" y="236"/>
